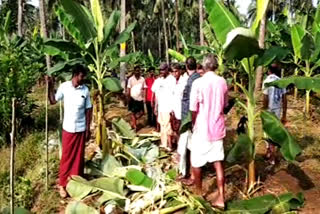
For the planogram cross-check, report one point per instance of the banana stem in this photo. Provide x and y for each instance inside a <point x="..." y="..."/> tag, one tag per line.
<point x="307" y="112"/>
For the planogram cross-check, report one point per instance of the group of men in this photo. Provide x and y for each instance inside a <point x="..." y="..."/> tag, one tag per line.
<point x="178" y="92"/>
<point x="181" y="91"/>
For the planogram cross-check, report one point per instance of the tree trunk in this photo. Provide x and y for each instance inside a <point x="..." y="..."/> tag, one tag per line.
<point x="123" y="68"/>
<point x="44" y="32"/>
<point x="262" y="33"/>
<point x="169" y="36"/>
<point x="133" y="42"/>
<point x="177" y="24"/>
<point x="159" y="42"/>
<point x="165" y="31"/>
<point x="20" y="15"/>
<point x="201" y="22"/>
<point x="13" y="138"/>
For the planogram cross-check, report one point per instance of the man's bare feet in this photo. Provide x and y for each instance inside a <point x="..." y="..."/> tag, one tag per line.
<point x="187" y="181"/>
<point x="62" y="191"/>
<point x="218" y="203"/>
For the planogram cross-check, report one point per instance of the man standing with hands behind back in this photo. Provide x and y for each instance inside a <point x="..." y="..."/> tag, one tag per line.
<point x="76" y="124"/>
<point x="207" y="102"/>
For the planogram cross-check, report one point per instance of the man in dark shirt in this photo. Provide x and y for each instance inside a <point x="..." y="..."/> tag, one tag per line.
<point x="184" y="163"/>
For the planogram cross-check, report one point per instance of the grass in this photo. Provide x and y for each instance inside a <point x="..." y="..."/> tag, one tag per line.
<point x="30" y="167"/>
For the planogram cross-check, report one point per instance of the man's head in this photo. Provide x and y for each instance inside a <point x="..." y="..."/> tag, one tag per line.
<point x="274" y="69"/>
<point x="151" y="71"/>
<point x="191" y="64"/>
<point x="78" y="75"/>
<point x="164" y="69"/>
<point x="209" y="63"/>
<point x="137" y="72"/>
<point x="183" y="69"/>
<point x="176" y="70"/>
<point x="200" y="69"/>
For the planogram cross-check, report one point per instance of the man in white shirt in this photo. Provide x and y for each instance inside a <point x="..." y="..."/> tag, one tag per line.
<point x="136" y="87"/>
<point x="76" y="124"/>
<point x="181" y="81"/>
<point x="163" y="90"/>
<point x="274" y="100"/>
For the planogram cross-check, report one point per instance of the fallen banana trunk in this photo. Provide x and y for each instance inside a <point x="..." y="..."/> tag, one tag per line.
<point x="149" y="198"/>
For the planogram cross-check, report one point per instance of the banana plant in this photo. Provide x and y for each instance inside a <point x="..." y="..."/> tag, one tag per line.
<point x="306" y="48"/>
<point x="92" y="45"/>
<point x="241" y="44"/>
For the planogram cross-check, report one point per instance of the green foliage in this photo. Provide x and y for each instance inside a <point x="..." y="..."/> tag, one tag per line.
<point x="20" y="67"/>
<point x="264" y="204"/>
<point x="123" y="128"/>
<point x="221" y="19"/>
<point x="78" y="187"/>
<point x="79" y="207"/>
<point x="272" y="54"/>
<point x="305" y="83"/>
<point x="242" y="150"/>
<point x="138" y="178"/>
<point x="186" y="123"/>
<point x="241" y="43"/>
<point x="17" y="210"/>
<point x="279" y="135"/>
<point x="112" y="84"/>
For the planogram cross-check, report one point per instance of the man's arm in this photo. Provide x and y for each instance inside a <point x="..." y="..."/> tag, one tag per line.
<point x="265" y="101"/>
<point x="51" y="94"/>
<point x="194" y="115"/>
<point x="88" y="122"/>
<point x="284" y="108"/>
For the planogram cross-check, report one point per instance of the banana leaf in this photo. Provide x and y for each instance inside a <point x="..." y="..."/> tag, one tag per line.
<point x="316" y="52"/>
<point x="186" y="123"/>
<point x="278" y="134"/>
<point x="123" y="128"/>
<point x="176" y="55"/>
<point x="316" y="22"/>
<point x="261" y="6"/>
<point x="152" y="154"/>
<point x="265" y="204"/>
<point x="77" y="207"/>
<point x="138" y="178"/>
<point x="79" y="188"/>
<point x="97" y="17"/>
<point x="61" y="45"/>
<point x="287" y="202"/>
<point x="297" y="33"/>
<point x="129" y="58"/>
<point x="241" y="43"/>
<point x="109" y="165"/>
<point x="112" y="84"/>
<point x="221" y="19"/>
<point x="308" y="47"/>
<point x="272" y="54"/>
<point x="64" y="66"/>
<point x="242" y="150"/>
<point x="306" y="83"/>
<point x="77" y="22"/>
<point x="126" y="34"/>
<point x="111" y="24"/>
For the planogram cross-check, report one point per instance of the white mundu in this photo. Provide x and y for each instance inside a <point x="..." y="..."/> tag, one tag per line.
<point x="76" y="101"/>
